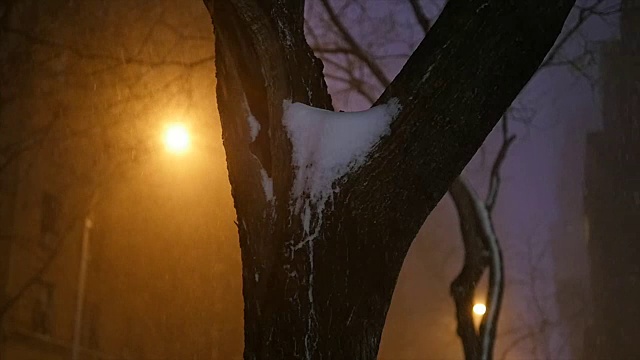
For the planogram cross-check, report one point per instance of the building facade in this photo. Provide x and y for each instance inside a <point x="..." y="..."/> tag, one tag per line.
<point x="612" y="199"/>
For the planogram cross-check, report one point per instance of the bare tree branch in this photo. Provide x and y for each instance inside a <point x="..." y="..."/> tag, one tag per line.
<point x="355" y="47"/>
<point x="117" y="59"/>
<point x="481" y="250"/>
<point x="38" y="274"/>
<point x="424" y="22"/>
<point x="495" y="177"/>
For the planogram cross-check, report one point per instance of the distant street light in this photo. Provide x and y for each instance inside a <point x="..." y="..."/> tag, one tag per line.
<point x="479" y="309"/>
<point x="176" y="138"/>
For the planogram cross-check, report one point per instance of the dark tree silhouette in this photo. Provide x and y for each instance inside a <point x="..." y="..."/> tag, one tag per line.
<point x="324" y="293"/>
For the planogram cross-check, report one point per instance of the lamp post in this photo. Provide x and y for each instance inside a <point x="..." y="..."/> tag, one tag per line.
<point x="176" y="141"/>
<point x="82" y="279"/>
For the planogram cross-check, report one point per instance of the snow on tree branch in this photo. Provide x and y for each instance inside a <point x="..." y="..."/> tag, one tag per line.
<point x="327" y="144"/>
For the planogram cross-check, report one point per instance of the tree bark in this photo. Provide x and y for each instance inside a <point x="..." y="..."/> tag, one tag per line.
<point x="326" y="296"/>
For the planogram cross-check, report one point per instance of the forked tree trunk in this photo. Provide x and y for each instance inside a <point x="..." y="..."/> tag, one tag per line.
<point x="318" y="286"/>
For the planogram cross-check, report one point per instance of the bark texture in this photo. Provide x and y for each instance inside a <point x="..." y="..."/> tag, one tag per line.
<point x="326" y="297"/>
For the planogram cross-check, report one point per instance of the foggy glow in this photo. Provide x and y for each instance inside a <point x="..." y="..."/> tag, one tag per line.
<point x="176" y="138"/>
<point x="479" y="309"/>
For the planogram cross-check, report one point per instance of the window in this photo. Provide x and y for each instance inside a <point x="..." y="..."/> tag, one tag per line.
<point x="49" y="219"/>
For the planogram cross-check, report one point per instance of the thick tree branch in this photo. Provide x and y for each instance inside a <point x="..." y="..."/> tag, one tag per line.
<point x="406" y="158"/>
<point x="481" y="250"/>
<point x="473" y="346"/>
<point x="476" y="259"/>
<point x="332" y="298"/>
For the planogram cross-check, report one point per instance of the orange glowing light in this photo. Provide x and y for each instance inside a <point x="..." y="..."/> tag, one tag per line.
<point x="177" y="139"/>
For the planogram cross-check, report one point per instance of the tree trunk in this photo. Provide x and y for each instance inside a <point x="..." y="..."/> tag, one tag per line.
<point x="318" y="275"/>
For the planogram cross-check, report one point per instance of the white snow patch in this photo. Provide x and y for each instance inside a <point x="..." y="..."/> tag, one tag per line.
<point x="306" y="219"/>
<point x="267" y="184"/>
<point x="254" y="126"/>
<point x="327" y="144"/>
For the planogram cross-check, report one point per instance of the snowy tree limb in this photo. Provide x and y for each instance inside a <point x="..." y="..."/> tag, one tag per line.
<point x="329" y="297"/>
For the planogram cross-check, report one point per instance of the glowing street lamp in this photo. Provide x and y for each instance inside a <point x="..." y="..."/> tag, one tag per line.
<point x="176" y="138"/>
<point x="479" y="309"/>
